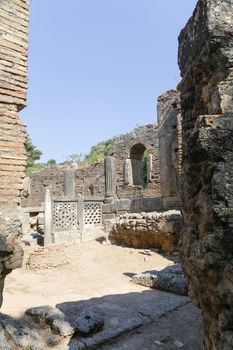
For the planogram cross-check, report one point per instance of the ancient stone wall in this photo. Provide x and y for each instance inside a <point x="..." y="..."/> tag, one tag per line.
<point x="159" y="230"/>
<point x="90" y="179"/>
<point x="53" y="176"/>
<point x="170" y="147"/>
<point x="147" y="136"/>
<point x="13" y="86"/>
<point x="206" y="63"/>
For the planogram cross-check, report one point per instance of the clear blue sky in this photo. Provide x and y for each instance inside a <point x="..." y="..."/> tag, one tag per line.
<point x="96" y="68"/>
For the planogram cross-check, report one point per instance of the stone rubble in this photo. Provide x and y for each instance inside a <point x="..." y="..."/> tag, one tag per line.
<point x="170" y="279"/>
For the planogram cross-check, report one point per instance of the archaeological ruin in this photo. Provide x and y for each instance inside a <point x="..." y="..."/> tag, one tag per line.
<point x="166" y="186"/>
<point x="206" y="62"/>
<point x="13" y="88"/>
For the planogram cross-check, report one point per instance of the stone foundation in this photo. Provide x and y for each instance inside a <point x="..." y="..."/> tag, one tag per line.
<point x="148" y="230"/>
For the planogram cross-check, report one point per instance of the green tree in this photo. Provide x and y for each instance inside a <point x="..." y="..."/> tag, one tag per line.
<point x="100" y="150"/>
<point x="51" y="162"/>
<point x="33" y="153"/>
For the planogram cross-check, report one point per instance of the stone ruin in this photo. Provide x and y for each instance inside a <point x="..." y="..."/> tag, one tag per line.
<point x="13" y="87"/>
<point x="82" y="203"/>
<point x="191" y="171"/>
<point x="206" y="64"/>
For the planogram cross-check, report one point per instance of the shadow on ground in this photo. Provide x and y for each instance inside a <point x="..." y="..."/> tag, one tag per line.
<point x="122" y="313"/>
<point x="126" y="317"/>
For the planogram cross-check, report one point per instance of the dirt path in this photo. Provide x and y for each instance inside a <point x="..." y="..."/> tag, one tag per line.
<point x="94" y="270"/>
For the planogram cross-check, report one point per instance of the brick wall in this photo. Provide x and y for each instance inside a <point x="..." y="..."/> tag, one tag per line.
<point x="13" y="86"/>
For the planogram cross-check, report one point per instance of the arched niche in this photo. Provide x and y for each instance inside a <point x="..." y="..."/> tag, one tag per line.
<point x="137" y="157"/>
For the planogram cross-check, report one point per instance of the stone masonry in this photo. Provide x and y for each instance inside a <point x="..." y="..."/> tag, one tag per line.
<point x="206" y="64"/>
<point x="128" y="148"/>
<point x="13" y="86"/>
<point x="90" y="178"/>
<point x="170" y="147"/>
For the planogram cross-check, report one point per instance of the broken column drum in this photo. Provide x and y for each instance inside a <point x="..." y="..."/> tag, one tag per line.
<point x="206" y="64"/>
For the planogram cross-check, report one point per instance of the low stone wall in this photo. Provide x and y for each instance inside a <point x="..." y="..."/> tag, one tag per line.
<point x="148" y="230"/>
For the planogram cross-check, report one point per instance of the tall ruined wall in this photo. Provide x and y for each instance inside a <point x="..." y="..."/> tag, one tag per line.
<point x="170" y="147"/>
<point x="13" y="86"/>
<point x="206" y="63"/>
<point x="146" y="135"/>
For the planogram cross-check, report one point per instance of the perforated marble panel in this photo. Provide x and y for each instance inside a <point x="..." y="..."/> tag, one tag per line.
<point x="65" y="216"/>
<point x="92" y="213"/>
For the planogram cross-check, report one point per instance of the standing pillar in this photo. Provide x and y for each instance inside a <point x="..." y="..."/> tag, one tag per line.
<point x="69" y="183"/>
<point x="48" y="216"/>
<point x="149" y="167"/>
<point x="81" y="212"/>
<point x="110" y="178"/>
<point x="128" y="172"/>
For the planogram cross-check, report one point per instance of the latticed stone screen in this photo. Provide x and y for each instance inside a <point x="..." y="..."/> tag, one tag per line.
<point x="92" y="213"/>
<point x="65" y="216"/>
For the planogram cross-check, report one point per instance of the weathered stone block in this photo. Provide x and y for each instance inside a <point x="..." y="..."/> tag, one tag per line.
<point x="206" y="63"/>
<point x="123" y="205"/>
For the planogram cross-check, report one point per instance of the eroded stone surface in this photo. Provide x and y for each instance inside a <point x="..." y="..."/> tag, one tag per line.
<point x="11" y="253"/>
<point x="170" y="279"/>
<point x="206" y="63"/>
<point x="170" y="148"/>
<point x="24" y="334"/>
<point x="88" y="322"/>
<point x="54" y="318"/>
